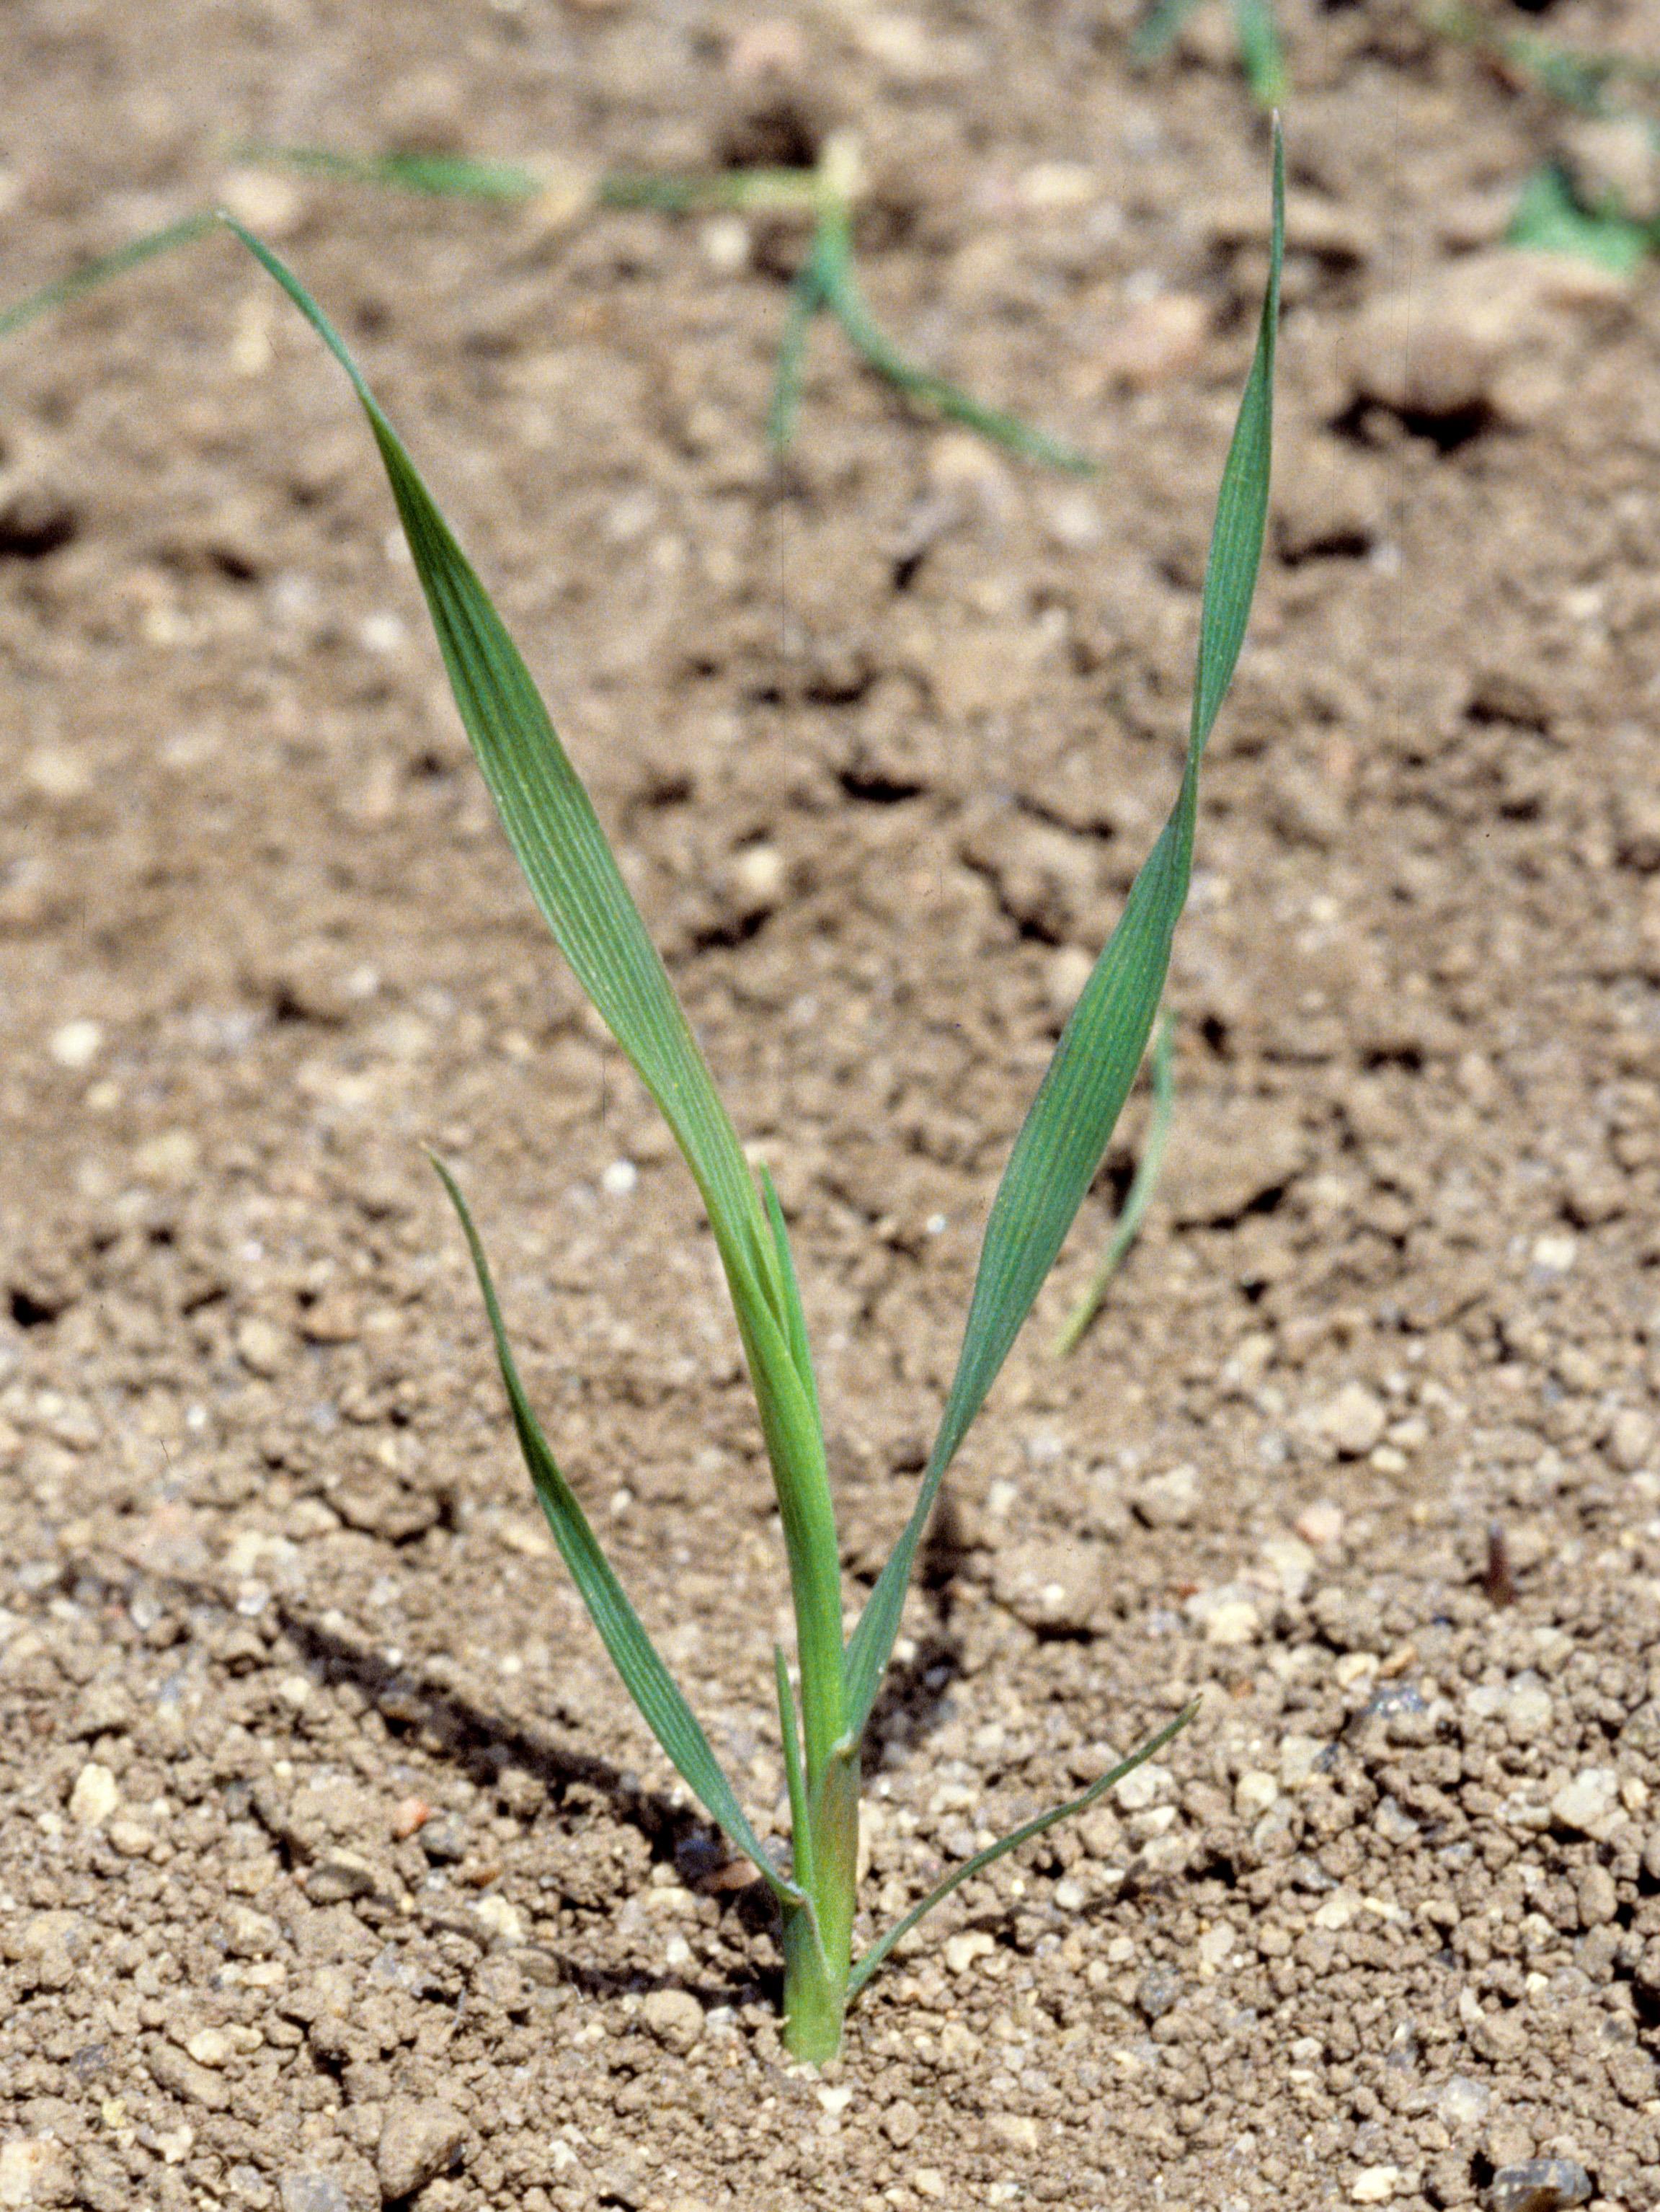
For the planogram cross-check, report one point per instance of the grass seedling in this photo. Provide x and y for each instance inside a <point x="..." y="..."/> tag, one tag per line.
<point x="1553" y="217"/>
<point x="556" y="836"/>
<point x="1262" y="57"/>
<point x="1137" y="1199"/>
<point x="825" y="197"/>
<point x="1579" y="76"/>
<point x="1558" y="212"/>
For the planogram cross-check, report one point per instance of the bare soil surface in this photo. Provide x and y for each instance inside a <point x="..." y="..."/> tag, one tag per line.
<point x="334" y="1867"/>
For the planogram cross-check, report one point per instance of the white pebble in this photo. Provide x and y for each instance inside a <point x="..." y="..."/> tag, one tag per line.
<point x="619" y="1178"/>
<point x="962" y="1951"/>
<point x="1254" y="1793"/>
<point x="77" y="1044"/>
<point x="1354" y="1419"/>
<point x="94" y="1796"/>
<point x="1588" y="1802"/>
<point x="1376" y="2184"/>
<point x="1463" y="2103"/>
<point x="1234" y="1622"/>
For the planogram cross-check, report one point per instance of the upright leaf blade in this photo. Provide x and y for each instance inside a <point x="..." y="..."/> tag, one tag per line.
<point x="1066" y="1131"/>
<point x="633" y="1654"/>
<point x="556" y="835"/>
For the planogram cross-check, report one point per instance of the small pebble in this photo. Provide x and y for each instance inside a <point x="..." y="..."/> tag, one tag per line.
<point x="261" y="1346"/>
<point x="1376" y="2184"/>
<point x="273" y="206"/>
<point x="1463" y="2103"/>
<point x="758" y="878"/>
<point x="411" y="1815"/>
<point x="57" y="773"/>
<point x="675" y="2018"/>
<point x="1588" y="1802"/>
<point x="444" y="1840"/>
<point x="1527" y="1710"/>
<point x="1538" y="2184"/>
<point x="1157" y="341"/>
<point x="1253" y="1794"/>
<point x="500" y="1922"/>
<point x="1157" y="1991"/>
<point x="1597" y="1897"/>
<point x="1630" y="1443"/>
<point x="1168" y="1500"/>
<point x="1354" y="1419"/>
<point x="1320" y="1524"/>
<point x="962" y="1951"/>
<point x="94" y="1796"/>
<point x="1235" y="1622"/>
<point x="1554" y="1253"/>
<point x="419" y="2137"/>
<point x="77" y="1044"/>
<point x="1074" y="525"/>
<point x="901" y="2122"/>
<point x="1616" y="157"/>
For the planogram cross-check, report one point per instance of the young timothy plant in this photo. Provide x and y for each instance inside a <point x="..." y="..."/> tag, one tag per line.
<point x="562" y="850"/>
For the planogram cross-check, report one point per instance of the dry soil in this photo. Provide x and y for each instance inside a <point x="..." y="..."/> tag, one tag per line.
<point x="334" y="1867"/>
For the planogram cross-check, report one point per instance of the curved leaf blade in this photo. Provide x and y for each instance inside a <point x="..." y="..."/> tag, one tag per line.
<point x="575" y="878"/>
<point x="840" y="291"/>
<point x="556" y="835"/>
<point x="1065" y="1135"/>
<point x="91" y="274"/>
<point x="647" y="1680"/>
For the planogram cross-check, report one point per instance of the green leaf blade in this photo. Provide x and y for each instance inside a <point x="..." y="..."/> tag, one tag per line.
<point x="1549" y="219"/>
<point x="879" y="1951"/>
<point x="1065" y="1135"/>
<point x="574" y="876"/>
<point x="840" y="292"/>
<point x="557" y="837"/>
<point x="1144" y="1183"/>
<point x="647" y="1680"/>
<point x="1159" y="30"/>
<point x="438" y="176"/>
<point x="91" y="274"/>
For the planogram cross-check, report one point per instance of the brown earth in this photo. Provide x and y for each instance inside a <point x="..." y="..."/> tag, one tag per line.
<point x="333" y="1861"/>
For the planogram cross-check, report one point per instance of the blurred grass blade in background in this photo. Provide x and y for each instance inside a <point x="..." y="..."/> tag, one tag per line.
<point x="92" y="274"/>
<point x="1261" y="57"/>
<point x="1550" y="218"/>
